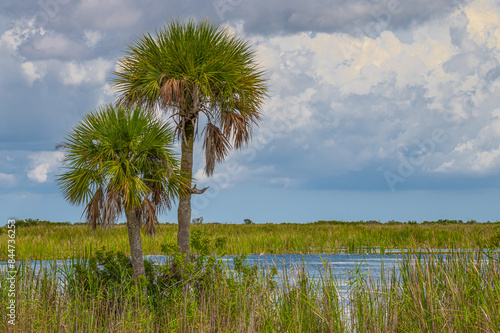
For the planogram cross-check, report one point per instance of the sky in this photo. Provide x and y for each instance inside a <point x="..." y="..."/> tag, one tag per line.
<point x="378" y="110"/>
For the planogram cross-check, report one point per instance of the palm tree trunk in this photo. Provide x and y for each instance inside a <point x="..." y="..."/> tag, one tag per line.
<point x="134" y="238"/>
<point x="184" y="210"/>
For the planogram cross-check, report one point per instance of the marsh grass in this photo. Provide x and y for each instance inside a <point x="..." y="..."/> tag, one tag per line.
<point x="79" y="241"/>
<point x="429" y="292"/>
<point x="454" y="292"/>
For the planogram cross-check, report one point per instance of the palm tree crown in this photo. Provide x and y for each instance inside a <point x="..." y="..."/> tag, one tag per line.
<point x="118" y="159"/>
<point x="190" y="68"/>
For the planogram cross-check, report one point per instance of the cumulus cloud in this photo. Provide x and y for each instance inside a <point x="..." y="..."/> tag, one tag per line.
<point x="92" y="71"/>
<point x="32" y="71"/>
<point x="43" y="164"/>
<point x="361" y="102"/>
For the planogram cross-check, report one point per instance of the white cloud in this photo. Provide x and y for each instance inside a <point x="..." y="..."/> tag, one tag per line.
<point x="33" y="71"/>
<point x="7" y="179"/>
<point x="92" y="71"/>
<point x="92" y="37"/>
<point x="486" y="160"/>
<point x="43" y="164"/>
<point x="200" y="176"/>
<point x="469" y="145"/>
<point x="107" y="96"/>
<point x="229" y="173"/>
<point x="23" y="30"/>
<point x="284" y="182"/>
<point x="56" y="45"/>
<point x="484" y="22"/>
<point x="72" y="73"/>
<point x="446" y="167"/>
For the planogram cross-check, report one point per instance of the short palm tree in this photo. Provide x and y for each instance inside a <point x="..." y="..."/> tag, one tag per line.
<point x="190" y="69"/>
<point x="121" y="160"/>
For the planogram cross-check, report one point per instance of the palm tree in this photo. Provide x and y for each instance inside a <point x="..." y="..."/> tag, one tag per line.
<point x="121" y="160"/>
<point x="189" y="69"/>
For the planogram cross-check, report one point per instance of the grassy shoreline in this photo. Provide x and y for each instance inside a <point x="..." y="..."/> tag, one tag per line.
<point x="457" y="292"/>
<point x="49" y="241"/>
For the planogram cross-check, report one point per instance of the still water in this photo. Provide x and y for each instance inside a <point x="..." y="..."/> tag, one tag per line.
<point x="289" y="266"/>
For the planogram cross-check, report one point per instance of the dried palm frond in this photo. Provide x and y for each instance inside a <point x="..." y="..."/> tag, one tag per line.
<point x="93" y="209"/>
<point x="111" y="209"/>
<point x="173" y="92"/>
<point x="237" y="126"/>
<point x="216" y="147"/>
<point x="147" y="216"/>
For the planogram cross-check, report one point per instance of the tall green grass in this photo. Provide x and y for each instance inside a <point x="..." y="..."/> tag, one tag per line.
<point x="78" y="241"/>
<point x="456" y="292"/>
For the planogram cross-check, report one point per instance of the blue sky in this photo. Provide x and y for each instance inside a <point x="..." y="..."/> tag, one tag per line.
<point x="378" y="109"/>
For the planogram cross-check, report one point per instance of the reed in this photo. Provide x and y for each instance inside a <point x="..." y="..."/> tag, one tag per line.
<point x="431" y="292"/>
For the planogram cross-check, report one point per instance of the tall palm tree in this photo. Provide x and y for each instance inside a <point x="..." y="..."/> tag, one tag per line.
<point x="190" y="69"/>
<point x="121" y="160"/>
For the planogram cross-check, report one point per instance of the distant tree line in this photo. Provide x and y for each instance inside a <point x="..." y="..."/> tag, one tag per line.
<point x="30" y="222"/>
<point x="34" y="222"/>
<point x="440" y="221"/>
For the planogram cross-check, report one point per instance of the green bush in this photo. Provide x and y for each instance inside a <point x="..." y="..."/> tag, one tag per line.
<point x="108" y="275"/>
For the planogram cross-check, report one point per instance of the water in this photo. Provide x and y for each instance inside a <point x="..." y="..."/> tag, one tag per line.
<point x="345" y="269"/>
<point x="342" y="266"/>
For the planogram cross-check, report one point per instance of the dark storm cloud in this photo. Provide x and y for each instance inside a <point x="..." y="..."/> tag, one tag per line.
<point x="119" y="22"/>
<point x="353" y="17"/>
<point x="259" y="16"/>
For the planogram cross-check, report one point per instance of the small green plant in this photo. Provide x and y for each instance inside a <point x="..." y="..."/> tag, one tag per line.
<point x="106" y="273"/>
<point x="247" y="221"/>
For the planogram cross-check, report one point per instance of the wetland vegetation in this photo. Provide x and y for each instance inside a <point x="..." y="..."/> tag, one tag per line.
<point x="431" y="292"/>
<point x="46" y="240"/>
<point x="428" y="292"/>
